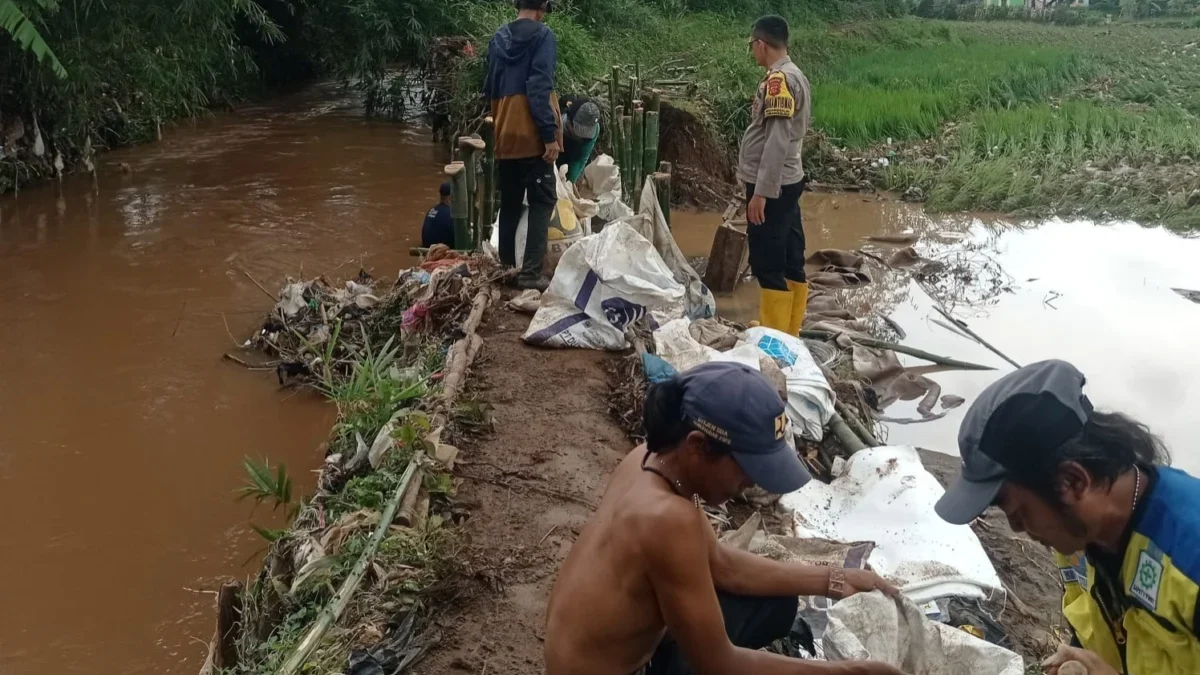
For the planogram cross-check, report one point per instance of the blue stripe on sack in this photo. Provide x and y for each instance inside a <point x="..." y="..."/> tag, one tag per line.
<point x="544" y="335"/>
<point x="585" y="290"/>
<point x="1172" y="520"/>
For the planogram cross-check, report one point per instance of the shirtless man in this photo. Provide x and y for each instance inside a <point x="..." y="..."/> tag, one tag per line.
<point x="648" y="589"/>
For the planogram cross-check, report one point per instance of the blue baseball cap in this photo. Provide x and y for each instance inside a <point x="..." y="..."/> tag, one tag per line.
<point x="737" y="406"/>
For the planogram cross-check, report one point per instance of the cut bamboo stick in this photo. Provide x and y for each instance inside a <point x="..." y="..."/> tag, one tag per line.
<point x="626" y="139"/>
<point x="459" y="208"/>
<point x="472" y="149"/>
<point x="903" y="349"/>
<point x="488" y="131"/>
<point x="662" y="189"/>
<point x="649" y="156"/>
<point x="637" y="148"/>
<point x="330" y="613"/>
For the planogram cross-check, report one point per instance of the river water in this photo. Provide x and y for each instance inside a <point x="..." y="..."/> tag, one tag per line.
<point x="122" y="432"/>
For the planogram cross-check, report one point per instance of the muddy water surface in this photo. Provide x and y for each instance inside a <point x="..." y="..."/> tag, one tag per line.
<point x="122" y="432"/>
<point x="1099" y="296"/>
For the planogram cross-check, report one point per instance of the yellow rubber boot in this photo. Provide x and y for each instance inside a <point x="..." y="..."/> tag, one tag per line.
<point x="775" y="309"/>
<point x="799" y="306"/>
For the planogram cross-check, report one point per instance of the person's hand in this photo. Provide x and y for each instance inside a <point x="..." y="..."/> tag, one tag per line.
<point x="756" y="211"/>
<point x="1066" y="653"/>
<point x="865" y="581"/>
<point x="552" y="151"/>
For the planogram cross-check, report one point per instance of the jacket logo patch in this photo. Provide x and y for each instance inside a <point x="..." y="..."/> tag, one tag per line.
<point x="779" y="101"/>
<point x="1146" y="581"/>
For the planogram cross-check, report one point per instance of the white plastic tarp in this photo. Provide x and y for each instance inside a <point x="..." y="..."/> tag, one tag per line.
<point x="605" y="282"/>
<point x="810" y="398"/>
<point x="872" y="626"/>
<point x="886" y="496"/>
<point x="653" y="226"/>
<point x="602" y="179"/>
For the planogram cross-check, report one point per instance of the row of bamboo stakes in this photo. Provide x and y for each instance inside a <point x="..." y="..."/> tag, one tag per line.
<point x="634" y="139"/>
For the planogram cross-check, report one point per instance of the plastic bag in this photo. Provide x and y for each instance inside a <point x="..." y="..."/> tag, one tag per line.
<point x="605" y="282"/>
<point x="602" y="180"/>
<point x="810" y="398"/>
<point x="700" y="302"/>
<point x="887" y="496"/>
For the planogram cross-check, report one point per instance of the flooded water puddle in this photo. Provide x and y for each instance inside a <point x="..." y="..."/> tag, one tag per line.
<point x="122" y="433"/>
<point x="1100" y="296"/>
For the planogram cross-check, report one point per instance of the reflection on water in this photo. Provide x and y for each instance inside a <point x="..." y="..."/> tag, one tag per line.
<point x="1099" y="296"/>
<point x="121" y="431"/>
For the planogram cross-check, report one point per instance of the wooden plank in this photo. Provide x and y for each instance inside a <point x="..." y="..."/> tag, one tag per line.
<point x="725" y="262"/>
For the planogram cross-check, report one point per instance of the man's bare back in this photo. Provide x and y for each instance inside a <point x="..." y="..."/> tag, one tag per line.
<point x="603" y="616"/>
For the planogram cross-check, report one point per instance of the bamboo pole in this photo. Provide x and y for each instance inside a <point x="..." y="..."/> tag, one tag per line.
<point x="649" y="156"/>
<point x="614" y="94"/>
<point x="845" y="435"/>
<point x="963" y="327"/>
<point x="472" y="149"/>
<point x="459" y="207"/>
<point x="856" y="424"/>
<point x="903" y="349"/>
<point x="626" y="140"/>
<point x="488" y="130"/>
<point x="637" y="147"/>
<point x="330" y="613"/>
<point x="662" y="188"/>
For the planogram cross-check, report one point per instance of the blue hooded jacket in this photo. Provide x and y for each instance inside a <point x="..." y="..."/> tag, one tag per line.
<point x="520" y="85"/>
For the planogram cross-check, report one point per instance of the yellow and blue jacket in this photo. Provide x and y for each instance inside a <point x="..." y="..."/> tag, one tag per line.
<point x="1144" y="620"/>
<point x="522" y="57"/>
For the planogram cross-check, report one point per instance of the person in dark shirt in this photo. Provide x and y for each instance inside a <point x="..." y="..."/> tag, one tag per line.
<point x="439" y="227"/>
<point x="581" y="128"/>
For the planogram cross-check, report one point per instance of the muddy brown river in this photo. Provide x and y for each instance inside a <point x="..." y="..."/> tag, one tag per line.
<point x="122" y="432"/>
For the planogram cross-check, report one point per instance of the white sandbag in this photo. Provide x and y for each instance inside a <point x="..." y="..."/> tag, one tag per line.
<point x="871" y="626"/>
<point x="810" y="398"/>
<point x="605" y="282"/>
<point x="601" y="181"/>
<point x="673" y="343"/>
<point x="570" y="222"/>
<point x="886" y="496"/>
<point x="700" y="302"/>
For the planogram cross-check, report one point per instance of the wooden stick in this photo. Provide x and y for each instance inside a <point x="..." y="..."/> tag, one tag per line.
<point x="903" y="349"/>
<point x="662" y="182"/>
<point x="638" y="149"/>
<point x="472" y="149"/>
<point x="976" y="337"/>
<point x="337" y="604"/>
<point x="626" y="154"/>
<point x="406" y="513"/>
<point x="261" y="287"/>
<point x="649" y="156"/>
<point x="488" y="131"/>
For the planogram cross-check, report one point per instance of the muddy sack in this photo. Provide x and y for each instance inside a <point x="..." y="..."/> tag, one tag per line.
<point x="604" y="283"/>
<point x="570" y="222"/>
<point x="873" y="626"/>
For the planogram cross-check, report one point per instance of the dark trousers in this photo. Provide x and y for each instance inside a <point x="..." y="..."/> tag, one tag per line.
<point x="777" y="245"/>
<point x="750" y="623"/>
<point x="531" y="178"/>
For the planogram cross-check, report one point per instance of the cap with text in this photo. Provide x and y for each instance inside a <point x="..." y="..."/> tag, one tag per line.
<point x="736" y="405"/>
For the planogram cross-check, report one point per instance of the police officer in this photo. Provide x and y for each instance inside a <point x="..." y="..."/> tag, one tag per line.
<point x="769" y="164"/>
<point x="1094" y="486"/>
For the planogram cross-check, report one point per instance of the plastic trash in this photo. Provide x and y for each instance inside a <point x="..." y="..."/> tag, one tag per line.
<point x="656" y="369"/>
<point x="886" y="496"/>
<point x="873" y="626"/>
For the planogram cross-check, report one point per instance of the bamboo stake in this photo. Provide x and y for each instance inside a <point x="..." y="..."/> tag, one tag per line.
<point x="962" y="326"/>
<point x="649" y="156"/>
<point x="845" y="435"/>
<point x="662" y="187"/>
<point x="614" y="94"/>
<point x="637" y="147"/>
<point x="903" y="349"/>
<point x="330" y="613"/>
<point x="626" y="170"/>
<point x="472" y="148"/>
<point x="488" y="130"/>
<point x="854" y="423"/>
<point x="459" y="209"/>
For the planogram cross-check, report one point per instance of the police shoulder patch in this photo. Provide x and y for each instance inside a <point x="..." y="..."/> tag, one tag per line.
<point x="778" y="99"/>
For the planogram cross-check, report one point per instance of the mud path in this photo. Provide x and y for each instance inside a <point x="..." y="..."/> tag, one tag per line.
<point x="528" y="484"/>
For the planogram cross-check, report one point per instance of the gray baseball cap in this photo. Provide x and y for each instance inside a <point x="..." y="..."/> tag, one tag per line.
<point x="585" y="122"/>
<point x="1008" y="431"/>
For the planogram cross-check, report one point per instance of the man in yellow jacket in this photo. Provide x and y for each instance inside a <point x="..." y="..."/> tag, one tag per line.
<point x="1094" y="486"/>
<point x="772" y="170"/>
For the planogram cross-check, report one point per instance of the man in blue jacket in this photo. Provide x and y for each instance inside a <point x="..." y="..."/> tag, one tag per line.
<point x="438" y="227"/>
<point x="522" y="58"/>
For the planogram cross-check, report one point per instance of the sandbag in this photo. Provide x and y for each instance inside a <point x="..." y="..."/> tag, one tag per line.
<point x="570" y="222"/>
<point x="887" y="496"/>
<point x="700" y="302"/>
<point x="875" y="627"/>
<point x="810" y="398"/>
<point x="601" y="182"/>
<point x="604" y="283"/>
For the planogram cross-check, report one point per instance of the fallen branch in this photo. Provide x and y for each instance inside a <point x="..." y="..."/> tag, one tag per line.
<point x="903" y="349"/>
<point x="975" y="336"/>
<point x="549" y="492"/>
<point x="261" y="287"/>
<point x="269" y="365"/>
<point x="330" y="613"/>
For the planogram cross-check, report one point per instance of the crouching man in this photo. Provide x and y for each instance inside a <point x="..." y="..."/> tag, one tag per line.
<point x="1094" y="486"/>
<point x="648" y="589"/>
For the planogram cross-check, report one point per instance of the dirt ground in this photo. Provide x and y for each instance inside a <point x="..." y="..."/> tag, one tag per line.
<point x="528" y="485"/>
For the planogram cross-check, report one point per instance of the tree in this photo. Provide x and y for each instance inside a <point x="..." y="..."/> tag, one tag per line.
<point x="14" y="22"/>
